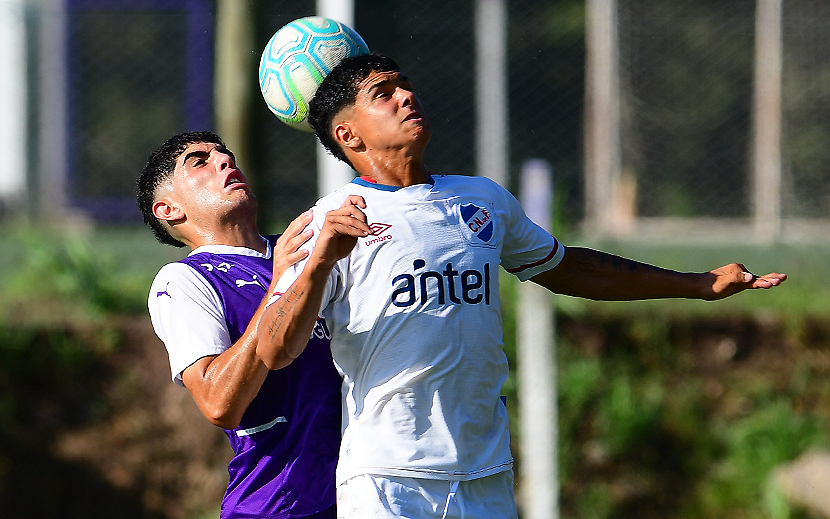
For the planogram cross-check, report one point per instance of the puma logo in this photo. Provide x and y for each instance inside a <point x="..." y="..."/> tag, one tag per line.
<point x="164" y="292"/>
<point x="241" y="282"/>
<point x="224" y="266"/>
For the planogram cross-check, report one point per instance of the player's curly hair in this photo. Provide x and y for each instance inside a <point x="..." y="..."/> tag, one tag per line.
<point x="339" y="90"/>
<point x="158" y="170"/>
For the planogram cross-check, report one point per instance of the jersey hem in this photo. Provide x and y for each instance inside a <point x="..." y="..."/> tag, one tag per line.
<point x="235" y="514"/>
<point x="447" y="475"/>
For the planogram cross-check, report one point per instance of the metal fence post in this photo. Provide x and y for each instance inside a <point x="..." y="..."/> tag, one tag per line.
<point x="766" y="144"/>
<point x="332" y="173"/>
<point x="536" y="354"/>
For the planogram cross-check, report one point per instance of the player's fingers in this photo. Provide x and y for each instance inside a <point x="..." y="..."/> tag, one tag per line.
<point x="296" y="256"/>
<point x="740" y="274"/>
<point x="349" y="226"/>
<point x="355" y="200"/>
<point x="355" y="212"/>
<point x="770" y="280"/>
<point x="349" y="216"/>
<point x="297" y="241"/>
<point x="299" y="223"/>
<point x="348" y="209"/>
<point x="296" y="233"/>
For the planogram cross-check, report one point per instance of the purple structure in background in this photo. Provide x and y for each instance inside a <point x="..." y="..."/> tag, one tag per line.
<point x="158" y="80"/>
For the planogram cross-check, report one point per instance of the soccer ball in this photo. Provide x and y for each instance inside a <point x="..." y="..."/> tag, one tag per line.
<point x="296" y="60"/>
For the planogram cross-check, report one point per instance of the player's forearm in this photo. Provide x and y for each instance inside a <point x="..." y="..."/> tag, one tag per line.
<point x="234" y="382"/>
<point x="225" y="385"/>
<point x="597" y="275"/>
<point x="286" y="324"/>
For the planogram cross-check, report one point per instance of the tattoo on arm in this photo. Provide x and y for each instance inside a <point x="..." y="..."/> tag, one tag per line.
<point x="290" y="300"/>
<point x="593" y="261"/>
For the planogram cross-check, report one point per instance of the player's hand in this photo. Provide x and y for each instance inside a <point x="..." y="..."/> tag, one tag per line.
<point x="287" y="249"/>
<point x="341" y="230"/>
<point x="733" y="278"/>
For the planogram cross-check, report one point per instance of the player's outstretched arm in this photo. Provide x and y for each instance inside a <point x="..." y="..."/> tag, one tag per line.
<point x="224" y="385"/>
<point x="287" y="323"/>
<point x="598" y="275"/>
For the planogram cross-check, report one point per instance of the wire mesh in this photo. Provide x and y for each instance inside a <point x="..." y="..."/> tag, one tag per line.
<point x="130" y="85"/>
<point x="686" y="75"/>
<point x="806" y="109"/>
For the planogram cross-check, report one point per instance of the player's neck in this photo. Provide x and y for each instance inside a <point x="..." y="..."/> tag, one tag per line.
<point x="394" y="171"/>
<point x="247" y="236"/>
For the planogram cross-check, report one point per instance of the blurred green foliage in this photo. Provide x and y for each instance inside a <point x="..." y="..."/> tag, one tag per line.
<point x="82" y="274"/>
<point x="683" y="410"/>
<point x="652" y="421"/>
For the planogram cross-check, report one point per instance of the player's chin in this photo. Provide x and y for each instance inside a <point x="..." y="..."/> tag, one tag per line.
<point x="422" y="132"/>
<point x="242" y="194"/>
<point x="243" y="198"/>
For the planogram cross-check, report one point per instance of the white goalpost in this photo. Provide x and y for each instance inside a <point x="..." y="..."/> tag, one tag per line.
<point x="332" y="173"/>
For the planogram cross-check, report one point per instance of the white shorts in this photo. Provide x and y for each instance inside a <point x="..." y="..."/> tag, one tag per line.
<point x="383" y="497"/>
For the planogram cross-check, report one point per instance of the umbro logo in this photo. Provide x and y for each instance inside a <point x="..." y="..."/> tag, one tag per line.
<point x="377" y="231"/>
<point x="379" y="228"/>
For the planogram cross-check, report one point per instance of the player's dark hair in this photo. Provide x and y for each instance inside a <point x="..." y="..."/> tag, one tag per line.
<point x="339" y="90"/>
<point x="158" y="170"/>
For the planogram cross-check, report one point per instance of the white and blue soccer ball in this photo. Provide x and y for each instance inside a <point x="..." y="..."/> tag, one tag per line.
<point x="297" y="59"/>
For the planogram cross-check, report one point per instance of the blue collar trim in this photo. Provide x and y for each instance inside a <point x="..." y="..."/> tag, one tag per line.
<point x="383" y="187"/>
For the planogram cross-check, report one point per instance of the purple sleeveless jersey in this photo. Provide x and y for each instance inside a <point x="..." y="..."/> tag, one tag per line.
<point x="285" y="448"/>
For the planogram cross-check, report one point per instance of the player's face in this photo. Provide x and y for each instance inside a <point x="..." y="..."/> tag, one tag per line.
<point x="388" y="114"/>
<point x="207" y="182"/>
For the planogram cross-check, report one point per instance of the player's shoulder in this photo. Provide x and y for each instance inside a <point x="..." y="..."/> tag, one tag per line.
<point x="470" y="184"/>
<point x="176" y="272"/>
<point x="174" y="269"/>
<point x="335" y="198"/>
<point x="175" y="278"/>
<point x="466" y="180"/>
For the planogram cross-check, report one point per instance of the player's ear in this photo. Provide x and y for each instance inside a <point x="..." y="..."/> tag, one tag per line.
<point x="167" y="209"/>
<point x="344" y="134"/>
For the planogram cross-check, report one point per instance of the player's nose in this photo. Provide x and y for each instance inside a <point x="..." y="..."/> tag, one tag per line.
<point x="222" y="160"/>
<point x="407" y="97"/>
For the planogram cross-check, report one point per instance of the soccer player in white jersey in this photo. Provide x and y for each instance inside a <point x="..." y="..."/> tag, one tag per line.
<point x="414" y="307"/>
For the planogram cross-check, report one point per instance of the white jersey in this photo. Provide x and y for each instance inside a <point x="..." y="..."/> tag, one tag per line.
<point x="193" y="325"/>
<point x="416" y="325"/>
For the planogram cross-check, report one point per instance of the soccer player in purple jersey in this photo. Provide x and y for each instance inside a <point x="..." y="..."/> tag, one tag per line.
<point x="414" y="316"/>
<point x="283" y="425"/>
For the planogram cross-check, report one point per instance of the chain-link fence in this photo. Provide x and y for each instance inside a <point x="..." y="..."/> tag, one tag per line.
<point x="687" y="77"/>
<point x="434" y="42"/>
<point x="686" y="73"/>
<point x="137" y="72"/>
<point x="134" y="77"/>
<point x="806" y="109"/>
